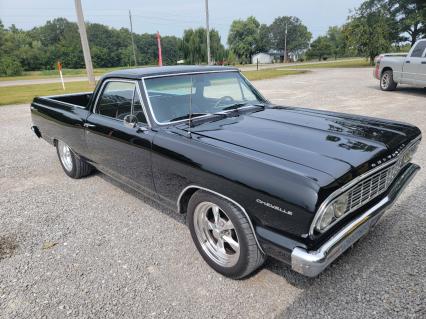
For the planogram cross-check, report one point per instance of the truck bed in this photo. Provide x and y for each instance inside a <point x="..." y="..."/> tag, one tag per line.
<point x="61" y="117"/>
<point x="77" y="99"/>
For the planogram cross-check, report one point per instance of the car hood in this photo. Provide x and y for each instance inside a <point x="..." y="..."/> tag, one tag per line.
<point x="330" y="142"/>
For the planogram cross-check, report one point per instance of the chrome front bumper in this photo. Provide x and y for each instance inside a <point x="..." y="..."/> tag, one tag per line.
<point x="311" y="263"/>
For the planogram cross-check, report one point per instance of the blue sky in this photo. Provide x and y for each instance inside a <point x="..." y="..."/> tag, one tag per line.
<point x="172" y="17"/>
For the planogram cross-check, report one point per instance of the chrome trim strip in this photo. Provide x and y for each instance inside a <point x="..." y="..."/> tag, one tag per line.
<point x="51" y="98"/>
<point x="353" y="182"/>
<point x="311" y="263"/>
<point x="225" y="197"/>
<point x="120" y="80"/>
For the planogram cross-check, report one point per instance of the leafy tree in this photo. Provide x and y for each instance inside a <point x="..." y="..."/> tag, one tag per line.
<point x="298" y="36"/>
<point x="194" y="46"/>
<point x="263" y="39"/>
<point x="337" y="41"/>
<point x="10" y="66"/>
<point x="243" y="38"/>
<point x="410" y="16"/>
<point x="320" y="48"/>
<point x="59" y="39"/>
<point x="370" y="30"/>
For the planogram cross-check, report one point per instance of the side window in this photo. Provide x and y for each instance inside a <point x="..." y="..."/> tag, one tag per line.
<point x="419" y="49"/>
<point x="137" y="108"/>
<point x="116" y="99"/>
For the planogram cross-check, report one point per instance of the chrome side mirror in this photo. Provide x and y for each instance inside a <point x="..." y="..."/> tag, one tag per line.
<point x="130" y="121"/>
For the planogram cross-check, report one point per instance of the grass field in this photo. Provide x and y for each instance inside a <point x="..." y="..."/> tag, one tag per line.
<point x="48" y="74"/>
<point x="270" y="73"/>
<point x="26" y="93"/>
<point x="352" y="63"/>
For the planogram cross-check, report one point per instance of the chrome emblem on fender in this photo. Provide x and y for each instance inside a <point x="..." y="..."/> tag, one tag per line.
<point x="282" y="210"/>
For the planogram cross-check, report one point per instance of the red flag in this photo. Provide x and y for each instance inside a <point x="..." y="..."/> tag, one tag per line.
<point x="160" y="56"/>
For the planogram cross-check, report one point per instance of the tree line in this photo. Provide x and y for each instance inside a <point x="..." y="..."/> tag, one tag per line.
<point x="375" y="26"/>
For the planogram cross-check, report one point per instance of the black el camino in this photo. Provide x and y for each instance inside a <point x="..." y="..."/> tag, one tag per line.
<point x="254" y="179"/>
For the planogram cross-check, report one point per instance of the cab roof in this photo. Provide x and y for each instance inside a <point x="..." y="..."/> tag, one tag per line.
<point x="139" y="73"/>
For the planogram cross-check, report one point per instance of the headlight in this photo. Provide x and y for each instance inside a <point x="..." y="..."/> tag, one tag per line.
<point x="335" y="210"/>
<point x="340" y="205"/>
<point x="326" y="218"/>
<point x="408" y="155"/>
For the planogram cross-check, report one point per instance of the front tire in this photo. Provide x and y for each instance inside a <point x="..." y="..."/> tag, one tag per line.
<point x="386" y="81"/>
<point x="73" y="165"/>
<point x="223" y="235"/>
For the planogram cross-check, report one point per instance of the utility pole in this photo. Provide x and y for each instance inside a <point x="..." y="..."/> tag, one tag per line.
<point x="84" y="42"/>
<point x="209" y="59"/>
<point x="133" y="41"/>
<point x="285" y="44"/>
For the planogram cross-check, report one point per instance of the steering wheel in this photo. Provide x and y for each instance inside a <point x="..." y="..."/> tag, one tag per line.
<point x="225" y="98"/>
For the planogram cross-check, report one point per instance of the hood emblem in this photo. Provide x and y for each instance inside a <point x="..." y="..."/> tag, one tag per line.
<point x="389" y="157"/>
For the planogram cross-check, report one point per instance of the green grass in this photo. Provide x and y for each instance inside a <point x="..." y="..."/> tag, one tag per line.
<point x="25" y="93"/>
<point x="47" y="74"/>
<point x="353" y="63"/>
<point x="270" y="73"/>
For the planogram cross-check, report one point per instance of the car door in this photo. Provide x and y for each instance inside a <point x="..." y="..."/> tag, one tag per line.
<point x="413" y="64"/>
<point x="421" y="76"/>
<point x="118" y="150"/>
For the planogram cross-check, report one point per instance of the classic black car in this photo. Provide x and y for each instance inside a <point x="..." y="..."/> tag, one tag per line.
<point x="254" y="179"/>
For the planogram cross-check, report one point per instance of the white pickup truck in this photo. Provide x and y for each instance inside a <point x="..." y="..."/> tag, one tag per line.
<point x="410" y="68"/>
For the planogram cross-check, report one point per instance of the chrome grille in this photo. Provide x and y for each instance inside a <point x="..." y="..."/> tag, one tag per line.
<point x="373" y="186"/>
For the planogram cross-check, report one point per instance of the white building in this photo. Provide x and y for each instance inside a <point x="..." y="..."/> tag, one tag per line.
<point x="263" y="58"/>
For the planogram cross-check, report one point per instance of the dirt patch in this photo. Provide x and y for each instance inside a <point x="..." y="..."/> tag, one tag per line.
<point x="8" y="246"/>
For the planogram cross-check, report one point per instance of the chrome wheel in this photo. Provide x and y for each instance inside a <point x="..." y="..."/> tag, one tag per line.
<point x="385" y="80"/>
<point x="65" y="155"/>
<point x="216" y="234"/>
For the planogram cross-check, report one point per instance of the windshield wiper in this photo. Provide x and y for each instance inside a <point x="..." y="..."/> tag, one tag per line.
<point x="238" y="105"/>
<point x="234" y="106"/>
<point x="186" y="116"/>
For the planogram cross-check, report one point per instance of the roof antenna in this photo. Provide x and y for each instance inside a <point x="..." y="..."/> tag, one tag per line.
<point x="190" y="111"/>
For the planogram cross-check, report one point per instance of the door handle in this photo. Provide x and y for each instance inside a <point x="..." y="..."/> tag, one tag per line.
<point x="407" y="62"/>
<point x="89" y="125"/>
<point x="141" y="129"/>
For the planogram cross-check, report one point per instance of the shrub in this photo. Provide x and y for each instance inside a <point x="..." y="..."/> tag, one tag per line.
<point x="10" y="66"/>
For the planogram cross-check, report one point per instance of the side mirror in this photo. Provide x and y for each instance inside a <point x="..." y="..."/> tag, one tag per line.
<point x="130" y="121"/>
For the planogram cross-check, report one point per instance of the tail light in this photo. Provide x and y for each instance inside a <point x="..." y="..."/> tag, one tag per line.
<point x="377" y="69"/>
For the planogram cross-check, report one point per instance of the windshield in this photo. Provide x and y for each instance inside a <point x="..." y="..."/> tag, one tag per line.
<point x="172" y="98"/>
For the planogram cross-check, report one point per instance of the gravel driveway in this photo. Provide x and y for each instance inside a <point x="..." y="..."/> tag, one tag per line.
<point x="93" y="248"/>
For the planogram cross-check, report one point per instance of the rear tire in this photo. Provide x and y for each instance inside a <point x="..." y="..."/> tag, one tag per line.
<point x="223" y="235"/>
<point x="73" y="165"/>
<point x="386" y="81"/>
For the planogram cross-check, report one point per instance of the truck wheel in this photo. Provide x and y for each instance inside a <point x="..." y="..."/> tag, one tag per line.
<point x="386" y="81"/>
<point x="223" y="235"/>
<point x="73" y="166"/>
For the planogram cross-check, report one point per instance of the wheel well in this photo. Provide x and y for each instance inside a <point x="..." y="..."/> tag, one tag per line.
<point x="387" y="68"/>
<point x="186" y="194"/>
<point x="184" y="198"/>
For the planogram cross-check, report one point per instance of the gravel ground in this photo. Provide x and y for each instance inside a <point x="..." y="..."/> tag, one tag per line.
<point x="93" y="248"/>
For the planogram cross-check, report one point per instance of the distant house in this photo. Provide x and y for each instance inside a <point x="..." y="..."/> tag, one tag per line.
<point x="263" y="58"/>
<point x="278" y="56"/>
